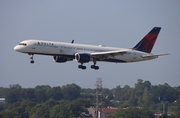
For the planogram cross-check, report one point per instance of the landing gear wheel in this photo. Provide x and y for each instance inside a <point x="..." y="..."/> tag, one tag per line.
<point x="31" y="57"/>
<point x="94" y="66"/>
<point x="82" y="67"/>
<point x="32" y="61"/>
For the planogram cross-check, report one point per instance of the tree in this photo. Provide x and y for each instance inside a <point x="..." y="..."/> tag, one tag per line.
<point x="164" y="116"/>
<point x="71" y="92"/>
<point x="18" y="109"/>
<point x="39" y="111"/>
<point x="60" y="110"/>
<point x="127" y="113"/>
<point x="40" y="93"/>
<point x="147" y="84"/>
<point x="132" y="113"/>
<point x="163" y="91"/>
<point x="70" y="100"/>
<point x="146" y="97"/>
<point x="27" y="94"/>
<point x="75" y="109"/>
<point x="110" y="96"/>
<point x="85" y="103"/>
<point x="15" y="86"/>
<point x="146" y="114"/>
<point x="13" y="95"/>
<point x="117" y="92"/>
<point x="50" y="103"/>
<point x="87" y="93"/>
<point x="56" y="93"/>
<point x="121" y="94"/>
<point x="133" y="99"/>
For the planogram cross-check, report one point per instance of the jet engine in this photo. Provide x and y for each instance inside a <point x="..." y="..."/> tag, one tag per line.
<point x="59" y="59"/>
<point x="82" y="57"/>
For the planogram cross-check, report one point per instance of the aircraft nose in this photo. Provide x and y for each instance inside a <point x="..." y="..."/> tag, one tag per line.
<point x="16" y="48"/>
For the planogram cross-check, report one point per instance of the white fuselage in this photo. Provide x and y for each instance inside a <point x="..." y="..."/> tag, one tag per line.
<point x="70" y="49"/>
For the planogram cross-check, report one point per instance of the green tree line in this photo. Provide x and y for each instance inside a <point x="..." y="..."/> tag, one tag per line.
<point x="71" y="100"/>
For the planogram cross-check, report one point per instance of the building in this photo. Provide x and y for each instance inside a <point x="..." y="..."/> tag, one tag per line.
<point x="102" y="112"/>
<point x="2" y="100"/>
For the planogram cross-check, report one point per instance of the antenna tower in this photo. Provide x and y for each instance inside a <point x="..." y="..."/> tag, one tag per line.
<point x="98" y="85"/>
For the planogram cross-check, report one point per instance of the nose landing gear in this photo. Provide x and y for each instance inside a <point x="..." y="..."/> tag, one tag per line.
<point x="32" y="61"/>
<point x="31" y="57"/>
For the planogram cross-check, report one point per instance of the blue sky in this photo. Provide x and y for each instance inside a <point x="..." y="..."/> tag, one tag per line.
<point x="112" y="23"/>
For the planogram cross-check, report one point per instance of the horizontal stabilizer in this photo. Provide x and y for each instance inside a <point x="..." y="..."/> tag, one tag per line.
<point x="154" y="55"/>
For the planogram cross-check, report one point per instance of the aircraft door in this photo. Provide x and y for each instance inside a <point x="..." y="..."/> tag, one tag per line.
<point x="61" y="50"/>
<point x="34" y="46"/>
<point x="134" y="55"/>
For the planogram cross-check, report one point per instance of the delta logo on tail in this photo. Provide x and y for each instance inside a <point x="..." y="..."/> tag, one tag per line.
<point x="147" y="43"/>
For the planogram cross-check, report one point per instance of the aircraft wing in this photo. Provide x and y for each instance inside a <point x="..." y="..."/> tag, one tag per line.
<point x="102" y="55"/>
<point x="153" y="55"/>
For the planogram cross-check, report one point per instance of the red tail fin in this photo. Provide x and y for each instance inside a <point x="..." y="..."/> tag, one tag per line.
<point x="147" y="43"/>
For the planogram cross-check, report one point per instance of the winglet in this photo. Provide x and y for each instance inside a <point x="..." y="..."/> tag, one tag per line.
<point x="147" y="43"/>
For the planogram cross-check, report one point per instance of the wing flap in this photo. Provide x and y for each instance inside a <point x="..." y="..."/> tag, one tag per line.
<point x="102" y="55"/>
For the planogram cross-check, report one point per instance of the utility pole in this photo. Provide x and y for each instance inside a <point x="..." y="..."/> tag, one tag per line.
<point x="163" y="107"/>
<point x="163" y="99"/>
<point x="98" y="85"/>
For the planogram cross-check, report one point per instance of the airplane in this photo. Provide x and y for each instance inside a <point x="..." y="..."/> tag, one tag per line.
<point x="83" y="53"/>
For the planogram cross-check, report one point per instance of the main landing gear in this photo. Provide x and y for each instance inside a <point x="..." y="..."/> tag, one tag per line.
<point x="92" y="66"/>
<point x="82" y="67"/>
<point x="31" y="57"/>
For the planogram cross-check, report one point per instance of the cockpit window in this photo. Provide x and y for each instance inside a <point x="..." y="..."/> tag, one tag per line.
<point x="23" y="44"/>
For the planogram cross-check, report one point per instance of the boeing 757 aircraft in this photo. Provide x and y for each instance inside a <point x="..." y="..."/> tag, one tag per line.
<point x="82" y="53"/>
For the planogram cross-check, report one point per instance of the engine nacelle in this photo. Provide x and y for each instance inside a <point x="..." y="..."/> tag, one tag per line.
<point x="82" y="57"/>
<point x="59" y="59"/>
